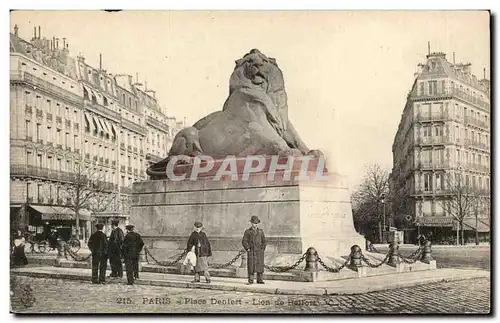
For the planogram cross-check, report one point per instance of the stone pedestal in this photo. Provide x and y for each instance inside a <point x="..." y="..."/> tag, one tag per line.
<point x="294" y="214"/>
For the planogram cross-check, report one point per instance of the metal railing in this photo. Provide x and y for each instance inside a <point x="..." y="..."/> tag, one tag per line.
<point x="157" y="124"/>
<point x="447" y="92"/>
<point x="102" y="110"/>
<point x="434" y="140"/>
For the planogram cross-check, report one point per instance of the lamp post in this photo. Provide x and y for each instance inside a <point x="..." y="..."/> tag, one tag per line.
<point x="383" y="207"/>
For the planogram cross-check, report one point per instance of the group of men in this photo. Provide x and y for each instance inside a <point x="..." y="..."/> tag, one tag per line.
<point x="116" y="248"/>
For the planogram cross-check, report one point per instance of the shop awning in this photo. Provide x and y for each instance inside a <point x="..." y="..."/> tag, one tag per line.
<point x="89" y="120"/>
<point x="98" y="123"/>
<point x="114" y="129"/>
<point x="103" y="125"/>
<point x="108" y="127"/>
<point x="60" y="213"/>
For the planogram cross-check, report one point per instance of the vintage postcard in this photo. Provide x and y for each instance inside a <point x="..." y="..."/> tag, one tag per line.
<point x="250" y="162"/>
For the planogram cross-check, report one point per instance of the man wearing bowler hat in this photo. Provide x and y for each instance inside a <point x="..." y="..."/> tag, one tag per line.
<point x="98" y="245"/>
<point x="132" y="246"/>
<point x="254" y="242"/>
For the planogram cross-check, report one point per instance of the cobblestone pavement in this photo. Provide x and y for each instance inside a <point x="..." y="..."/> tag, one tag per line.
<point x="43" y="295"/>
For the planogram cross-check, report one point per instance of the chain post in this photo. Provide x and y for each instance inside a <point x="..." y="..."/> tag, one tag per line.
<point x="427" y="253"/>
<point x="355" y="257"/>
<point x="393" y="254"/>
<point x="311" y="260"/>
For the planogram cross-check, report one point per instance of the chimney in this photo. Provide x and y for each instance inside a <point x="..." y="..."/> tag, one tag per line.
<point x="50" y="45"/>
<point x="64" y="42"/>
<point x="100" y="61"/>
<point x="453" y="58"/>
<point x="57" y="43"/>
<point x="145" y="85"/>
<point x="39" y="32"/>
<point x="428" y="48"/>
<point x="484" y="73"/>
<point x="34" y="32"/>
<point x="16" y="30"/>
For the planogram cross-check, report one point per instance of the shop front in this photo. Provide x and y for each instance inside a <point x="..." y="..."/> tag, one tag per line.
<point x="42" y="217"/>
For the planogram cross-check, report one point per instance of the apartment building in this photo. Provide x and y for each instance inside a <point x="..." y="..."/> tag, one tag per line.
<point x="442" y="147"/>
<point x="65" y="112"/>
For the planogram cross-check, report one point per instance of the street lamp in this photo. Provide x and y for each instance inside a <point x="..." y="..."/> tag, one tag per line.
<point x="383" y="207"/>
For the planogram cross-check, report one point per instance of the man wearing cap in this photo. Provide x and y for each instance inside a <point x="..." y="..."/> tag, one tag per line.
<point x="199" y="241"/>
<point x="132" y="246"/>
<point x="254" y="242"/>
<point x="114" y="250"/>
<point x="98" y="245"/>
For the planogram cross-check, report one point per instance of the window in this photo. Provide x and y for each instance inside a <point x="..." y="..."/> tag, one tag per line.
<point x="421" y="91"/>
<point x="129" y="102"/>
<point x="458" y="156"/>
<point x="457" y="133"/>
<point x="432" y="87"/>
<point x="442" y="90"/>
<point x="38" y="134"/>
<point x="427" y="183"/>
<point x="467" y="180"/>
<point x="28" y="128"/>
<point x="105" y="101"/>
<point x="467" y="157"/>
<point x="473" y="181"/>
<point x="438" y="131"/>
<point x="439" y="181"/>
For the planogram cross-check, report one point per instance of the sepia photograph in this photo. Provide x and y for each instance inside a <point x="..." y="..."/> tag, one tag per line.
<point x="250" y="162"/>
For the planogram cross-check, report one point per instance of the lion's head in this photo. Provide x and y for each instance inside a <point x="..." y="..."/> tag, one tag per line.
<point x="256" y="70"/>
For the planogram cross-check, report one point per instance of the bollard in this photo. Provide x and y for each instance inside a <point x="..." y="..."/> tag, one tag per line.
<point x="393" y="254"/>
<point x="311" y="260"/>
<point x="427" y="253"/>
<point x="355" y="257"/>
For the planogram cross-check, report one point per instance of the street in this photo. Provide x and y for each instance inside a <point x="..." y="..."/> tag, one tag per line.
<point x="453" y="256"/>
<point x="64" y="296"/>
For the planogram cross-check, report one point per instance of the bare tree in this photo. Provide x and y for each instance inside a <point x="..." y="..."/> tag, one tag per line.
<point x="85" y="190"/>
<point x="367" y="198"/>
<point x="462" y="201"/>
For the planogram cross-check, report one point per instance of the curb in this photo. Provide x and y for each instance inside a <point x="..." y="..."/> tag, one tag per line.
<point x="316" y="291"/>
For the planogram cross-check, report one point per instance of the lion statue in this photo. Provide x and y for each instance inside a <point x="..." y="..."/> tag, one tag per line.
<point x="253" y="121"/>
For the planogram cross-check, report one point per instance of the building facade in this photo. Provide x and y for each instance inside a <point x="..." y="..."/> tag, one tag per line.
<point x="442" y="150"/>
<point x="65" y="112"/>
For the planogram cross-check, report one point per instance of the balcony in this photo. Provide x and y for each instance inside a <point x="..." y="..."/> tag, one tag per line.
<point x="18" y="170"/>
<point x="134" y="127"/>
<point x="129" y="148"/>
<point x="136" y="171"/>
<point x="434" y="140"/>
<point x="477" y="144"/>
<point x="434" y="116"/>
<point x="449" y="93"/>
<point x="477" y="122"/>
<point x="141" y="152"/>
<point x="113" y="163"/>
<point x="129" y="169"/>
<point x="433" y="165"/>
<point x="25" y="77"/>
<point x="122" y="168"/>
<point x="77" y="126"/>
<point x="58" y="119"/>
<point x="87" y="156"/>
<point x="67" y="123"/>
<point x="49" y="117"/>
<point x="122" y="146"/>
<point x="106" y="161"/>
<point x="157" y="124"/>
<point x="478" y="167"/>
<point x="102" y="110"/>
<point x="101" y="160"/>
<point x="126" y="190"/>
<point x="28" y="109"/>
<point x="39" y="113"/>
<point x="135" y="150"/>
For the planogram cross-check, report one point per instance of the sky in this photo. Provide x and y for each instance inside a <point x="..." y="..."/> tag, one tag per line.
<point x="346" y="74"/>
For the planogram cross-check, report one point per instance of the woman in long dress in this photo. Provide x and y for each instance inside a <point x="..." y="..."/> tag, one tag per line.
<point x="203" y="250"/>
<point x="18" y="253"/>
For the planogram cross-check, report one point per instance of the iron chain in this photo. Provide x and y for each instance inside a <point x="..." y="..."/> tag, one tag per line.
<point x="365" y="260"/>
<point x="278" y="269"/>
<point x="74" y="255"/>
<point x="331" y="269"/>
<point x="413" y="257"/>
<point x="229" y="263"/>
<point x="164" y="263"/>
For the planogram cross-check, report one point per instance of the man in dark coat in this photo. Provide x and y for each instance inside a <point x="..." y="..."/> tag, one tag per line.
<point x="199" y="241"/>
<point x="254" y="242"/>
<point x="98" y="245"/>
<point x="114" y="250"/>
<point x="132" y="246"/>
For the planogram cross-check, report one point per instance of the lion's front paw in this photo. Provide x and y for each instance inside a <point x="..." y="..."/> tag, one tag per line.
<point x="316" y="153"/>
<point x="290" y="152"/>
